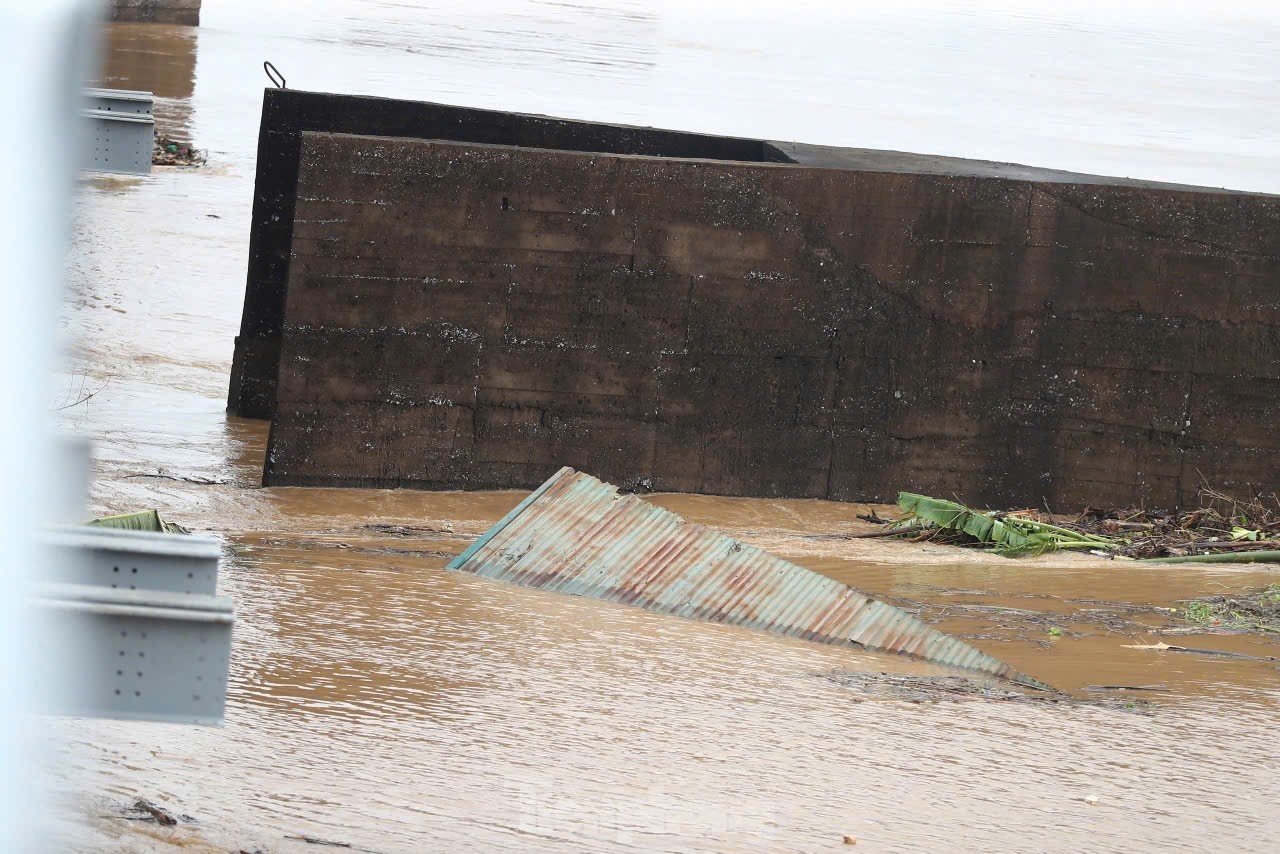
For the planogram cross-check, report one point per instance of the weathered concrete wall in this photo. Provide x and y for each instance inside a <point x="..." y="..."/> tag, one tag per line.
<point x="477" y="316"/>
<point x="286" y="113"/>
<point x="186" y="12"/>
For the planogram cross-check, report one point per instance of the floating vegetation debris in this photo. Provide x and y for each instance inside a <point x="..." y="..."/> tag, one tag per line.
<point x="1005" y="533"/>
<point x="1249" y="611"/>
<point x="171" y="152"/>
<point x="1221" y="530"/>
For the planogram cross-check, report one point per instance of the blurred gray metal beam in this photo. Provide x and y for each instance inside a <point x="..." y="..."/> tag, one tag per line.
<point x="138" y="654"/>
<point x="121" y="130"/>
<point x="133" y="618"/>
<point x="133" y="560"/>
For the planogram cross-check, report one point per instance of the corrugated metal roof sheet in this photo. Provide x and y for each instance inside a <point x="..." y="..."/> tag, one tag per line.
<point x="575" y="534"/>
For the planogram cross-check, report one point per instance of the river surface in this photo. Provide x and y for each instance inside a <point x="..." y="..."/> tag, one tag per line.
<point x="378" y="701"/>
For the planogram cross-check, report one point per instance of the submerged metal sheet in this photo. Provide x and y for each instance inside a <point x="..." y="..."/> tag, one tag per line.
<point x="575" y="534"/>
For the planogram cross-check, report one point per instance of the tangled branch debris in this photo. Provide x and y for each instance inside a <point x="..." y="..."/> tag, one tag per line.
<point x="1221" y="530"/>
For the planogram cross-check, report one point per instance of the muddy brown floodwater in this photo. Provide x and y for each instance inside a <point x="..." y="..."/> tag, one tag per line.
<point x="379" y="701"/>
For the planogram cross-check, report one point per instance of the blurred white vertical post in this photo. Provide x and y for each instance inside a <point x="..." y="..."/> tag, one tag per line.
<point x="49" y="49"/>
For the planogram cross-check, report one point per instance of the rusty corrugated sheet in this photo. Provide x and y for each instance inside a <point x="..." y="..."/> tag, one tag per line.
<point x="575" y="534"/>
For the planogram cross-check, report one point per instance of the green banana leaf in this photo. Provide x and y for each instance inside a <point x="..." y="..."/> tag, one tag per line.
<point x="1010" y="535"/>
<point x="143" y="520"/>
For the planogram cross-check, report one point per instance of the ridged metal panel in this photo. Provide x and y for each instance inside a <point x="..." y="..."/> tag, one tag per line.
<point x="577" y="535"/>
